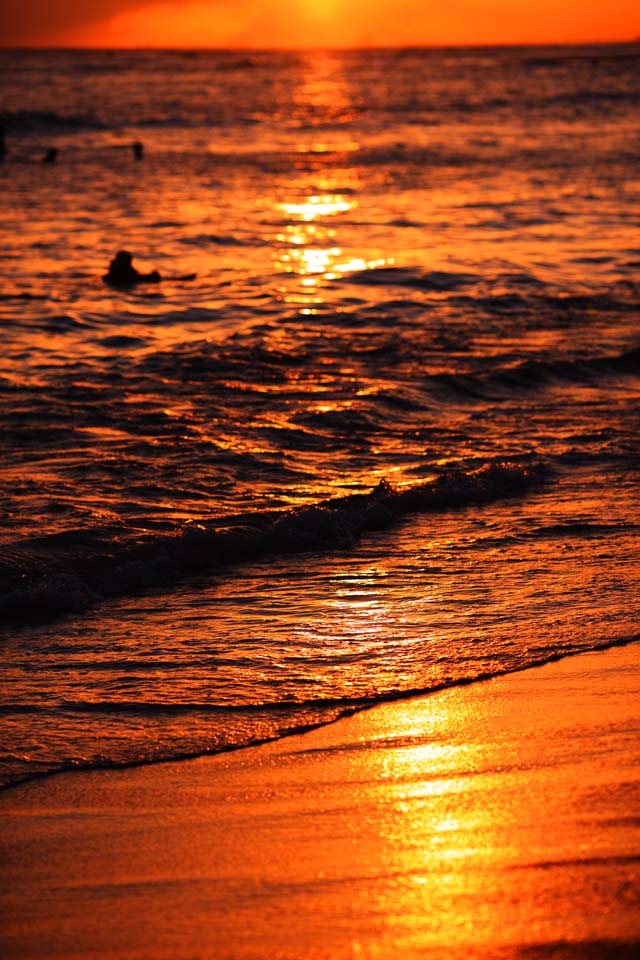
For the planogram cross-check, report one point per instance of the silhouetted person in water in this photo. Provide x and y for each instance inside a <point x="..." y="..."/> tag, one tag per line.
<point x="3" y="145"/>
<point x="138" y="150"/>
<point x="122" y="272"/>
<point x="51" y="155"/>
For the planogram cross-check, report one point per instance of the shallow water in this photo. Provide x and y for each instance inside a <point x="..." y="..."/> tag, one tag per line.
<point x="221" y="512"/>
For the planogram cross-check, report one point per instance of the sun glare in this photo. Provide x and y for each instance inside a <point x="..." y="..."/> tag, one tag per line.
<point x="321" y="9"/>
<point x="346" y="23"/>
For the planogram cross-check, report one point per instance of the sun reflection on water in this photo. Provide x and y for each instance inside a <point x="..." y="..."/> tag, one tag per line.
<point x="317" y="206"/>
<point x="309" y="251"/>
<point x="306" y="247"/>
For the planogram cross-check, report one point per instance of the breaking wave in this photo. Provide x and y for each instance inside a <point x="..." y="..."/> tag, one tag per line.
<point x="70" y="571"/>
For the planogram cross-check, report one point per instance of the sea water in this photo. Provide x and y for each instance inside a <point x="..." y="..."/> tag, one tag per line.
<point x="386" y="440"/>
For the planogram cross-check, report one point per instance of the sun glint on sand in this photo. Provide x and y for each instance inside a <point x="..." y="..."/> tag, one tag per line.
<point x="498" y="820"/>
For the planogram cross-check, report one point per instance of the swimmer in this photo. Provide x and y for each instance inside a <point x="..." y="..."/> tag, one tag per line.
<point x="51" y="155"/>
<point x="122" y="273"/>
<point x="138" y="150"/>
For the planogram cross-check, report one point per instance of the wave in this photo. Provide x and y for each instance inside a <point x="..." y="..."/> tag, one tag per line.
<point x="204" y="239"/>
<point x="525" y="291"/>
<point x="68" y="572"/>
<point x="47" y="121"/>
<point x="603" y="99"/>
<point x="531" y="374"/>
<point x="435" y="280"/>
<point x="570" y="56"/>
<point x="146" y="60"/>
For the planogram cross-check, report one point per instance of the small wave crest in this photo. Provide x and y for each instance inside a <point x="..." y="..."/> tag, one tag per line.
<point x="435" y="280"/>
<point x="215" y="239"/>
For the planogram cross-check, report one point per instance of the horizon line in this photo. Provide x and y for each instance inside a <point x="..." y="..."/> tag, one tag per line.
<point x="516" y="44"/>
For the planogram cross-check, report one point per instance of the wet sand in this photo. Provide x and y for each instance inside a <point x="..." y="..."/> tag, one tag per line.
<point x="497" y="820"/>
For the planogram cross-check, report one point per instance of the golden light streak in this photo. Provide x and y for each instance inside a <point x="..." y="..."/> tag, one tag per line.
<point x="315" y="207"/>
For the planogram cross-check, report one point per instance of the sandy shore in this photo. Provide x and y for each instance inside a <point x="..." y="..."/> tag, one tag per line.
<point x="497" y="820"/>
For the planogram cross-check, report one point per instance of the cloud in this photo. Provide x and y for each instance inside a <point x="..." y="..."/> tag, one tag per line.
<point x="41" y="21"/>
<point x="23" y="21"/>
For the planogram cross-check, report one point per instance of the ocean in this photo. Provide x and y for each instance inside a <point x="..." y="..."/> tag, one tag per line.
<point x="386" y="441"/>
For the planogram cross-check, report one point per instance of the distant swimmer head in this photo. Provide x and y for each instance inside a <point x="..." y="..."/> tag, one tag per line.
<point x="51" y="155"/>
<point x="122" y="260"/>
<point x="138" y="150"/>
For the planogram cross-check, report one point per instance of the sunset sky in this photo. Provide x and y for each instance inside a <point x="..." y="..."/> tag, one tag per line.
<point x="291" y="23"/>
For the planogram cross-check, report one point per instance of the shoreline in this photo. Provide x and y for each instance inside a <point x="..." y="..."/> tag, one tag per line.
<point x="303" y="730"/>
<point x="496" y="819"/>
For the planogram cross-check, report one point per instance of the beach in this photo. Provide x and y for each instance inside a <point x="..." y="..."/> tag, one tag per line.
<point x="499" y="819"/>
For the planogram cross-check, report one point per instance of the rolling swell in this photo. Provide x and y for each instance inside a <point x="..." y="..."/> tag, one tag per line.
<point x="538" y="373"/>
<point x="47" y="121"/>
<point x="68" y="572"/>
